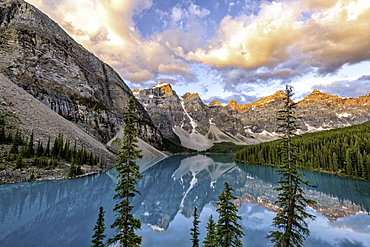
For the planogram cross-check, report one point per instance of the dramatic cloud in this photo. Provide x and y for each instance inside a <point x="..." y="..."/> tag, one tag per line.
<point x="317" y="35"/>
<point x="253" y="42"/>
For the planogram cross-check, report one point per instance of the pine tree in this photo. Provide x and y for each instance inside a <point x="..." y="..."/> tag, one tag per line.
<point x="211" y="239"/>
<point x="16" y="142"/>
<point x="47" y="150"/>
<point x="99" y="229"/>
<point x="30" y="150"/>
<point x="290" y="220"/>
<point x="2" y="134"/>
<point x="19" y="164"/>
<point x="195" y="230"/>
<point x="128" y="174"/>
<point x="229" y="231"/>
<point x="40" y="149"/>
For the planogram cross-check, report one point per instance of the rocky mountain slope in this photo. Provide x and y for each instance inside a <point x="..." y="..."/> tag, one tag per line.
<point x="199" y="125"/>
<point x="37" y="55"/>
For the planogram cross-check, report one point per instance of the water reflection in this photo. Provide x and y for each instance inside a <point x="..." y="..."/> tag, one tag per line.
<point x="63" y="213"/>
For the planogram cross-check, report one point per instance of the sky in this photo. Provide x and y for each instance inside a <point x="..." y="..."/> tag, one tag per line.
<point x="226" y="49"/>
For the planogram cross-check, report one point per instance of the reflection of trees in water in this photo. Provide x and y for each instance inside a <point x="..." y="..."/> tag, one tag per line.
<point x="52" y="212"/>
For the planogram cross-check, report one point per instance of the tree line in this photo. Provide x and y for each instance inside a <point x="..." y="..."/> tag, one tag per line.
<point x="50" y="156"/>
<point x="344" y="151"/>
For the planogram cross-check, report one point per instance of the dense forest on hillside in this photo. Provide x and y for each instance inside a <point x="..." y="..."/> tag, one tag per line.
<point x="344" y="151"/>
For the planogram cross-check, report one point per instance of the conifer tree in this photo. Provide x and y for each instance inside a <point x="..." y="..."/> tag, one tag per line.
<point x="290" y="220"/>
<point x="30" y="150"/>
<point x="99" y="229"/>
<point x="2" y="134"/>
<point x="128" y="174"/>
<point x="211" y="239"/>
<point x="16" y="142"/>
<point x="194" y="232"/>
<point x="19" y="164"/>
<point x="47" y="150"/>
<point x="229" y="231"/>
<point x="40" y="149"/>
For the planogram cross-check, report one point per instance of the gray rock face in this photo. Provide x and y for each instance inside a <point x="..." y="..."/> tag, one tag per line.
<point x="204" y="115"/>
<point x="39" y="56"/>
<point x="164" y="107"/>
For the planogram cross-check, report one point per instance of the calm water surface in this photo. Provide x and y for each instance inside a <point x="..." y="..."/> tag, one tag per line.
<point x="63" y="213"/>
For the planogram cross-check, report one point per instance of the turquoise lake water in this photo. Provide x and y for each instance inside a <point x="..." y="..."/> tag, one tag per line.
<point x="63" y="213"/>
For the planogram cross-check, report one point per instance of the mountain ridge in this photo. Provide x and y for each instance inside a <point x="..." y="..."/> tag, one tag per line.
<point x="248" y="123"/>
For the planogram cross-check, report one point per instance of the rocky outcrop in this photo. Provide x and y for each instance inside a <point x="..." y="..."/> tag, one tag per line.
<point x="40" y="57"/>
<point x="164" y="107"/>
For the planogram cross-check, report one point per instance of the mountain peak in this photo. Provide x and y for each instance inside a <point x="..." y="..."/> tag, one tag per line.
<point x="165" y="88"/>
<point x="189" y="96"/>
<point x="315" y="91"/>
<point x="214" y="103"/>
<point x="318" y="96"/>
<point x="232" y="102"/>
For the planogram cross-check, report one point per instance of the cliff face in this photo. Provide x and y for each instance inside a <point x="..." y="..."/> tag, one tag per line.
<point x="165" y="108"/>
<point x="246" y="123"/>
<point x="40" y="57"/>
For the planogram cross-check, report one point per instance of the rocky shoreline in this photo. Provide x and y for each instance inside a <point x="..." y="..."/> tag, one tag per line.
<point x="10" y="176"/>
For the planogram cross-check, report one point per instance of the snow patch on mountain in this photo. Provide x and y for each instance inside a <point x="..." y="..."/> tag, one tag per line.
<point x="192" y="122"/>
<point x="343" y="115"/>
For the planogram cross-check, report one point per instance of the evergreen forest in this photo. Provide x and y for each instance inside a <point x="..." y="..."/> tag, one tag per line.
<point x="21" y="151"/>
<point x="343" y="151"/>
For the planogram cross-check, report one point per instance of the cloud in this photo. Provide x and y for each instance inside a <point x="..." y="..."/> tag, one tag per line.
<point x="347" y="88"/>
<point x="270" y="42"/>
<point x="320" y="35"/>
<point x="240" y="98"/>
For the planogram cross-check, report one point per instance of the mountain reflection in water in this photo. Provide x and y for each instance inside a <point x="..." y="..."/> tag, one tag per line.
<point x="63" y="213"/>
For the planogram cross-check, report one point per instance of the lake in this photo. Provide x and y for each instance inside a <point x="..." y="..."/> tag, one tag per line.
<point x="63" y="213"/>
